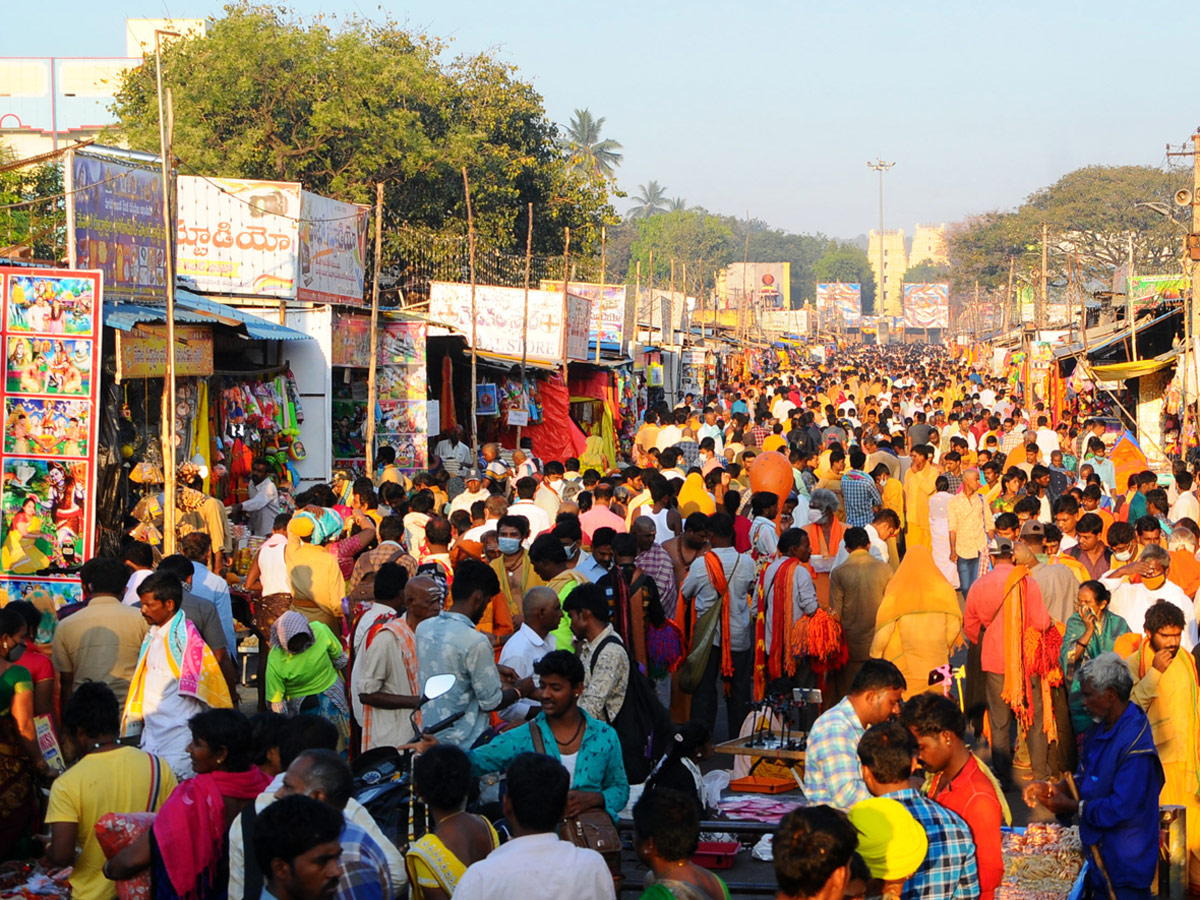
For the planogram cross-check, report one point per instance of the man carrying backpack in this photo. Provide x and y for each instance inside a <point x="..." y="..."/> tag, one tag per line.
<point x="603" y="654"/>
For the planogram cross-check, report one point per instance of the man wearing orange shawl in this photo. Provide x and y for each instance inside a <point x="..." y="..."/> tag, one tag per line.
<point x="1165" y="686"/>
<point x="1185" y="569"/>
<point x="786" y="594"/>
<point x="919" y="621"/>
<point x="824" y="536"/>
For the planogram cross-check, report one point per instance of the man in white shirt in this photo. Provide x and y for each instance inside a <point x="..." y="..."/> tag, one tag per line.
<point x="263" y="503"/>
<point x="454" y="454"/>
<point x="208" y="585"/>
<point x="549" y="492"/>
<point x="542" y="611"/>
<point x="763" y="538"/>
<point x="139" y="559"/>
<point x="886" y="524"/>
<point x="534" y="864"/>
<point x="472" y="494"/>
<point x="1047" y="438"/>
<point x="712" y="428"/>
<point x="493" y="508"/>
<point x="528" y="510"/>
<point x="671" y="433"/>
<point x="1186" y="506"/>
<point x="1130" y="601"/>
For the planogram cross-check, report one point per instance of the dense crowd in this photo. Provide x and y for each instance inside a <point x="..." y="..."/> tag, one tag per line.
<point x="980" y="605"/>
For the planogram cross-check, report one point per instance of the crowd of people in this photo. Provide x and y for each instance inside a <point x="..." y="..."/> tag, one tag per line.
<point x="847" y="529"/>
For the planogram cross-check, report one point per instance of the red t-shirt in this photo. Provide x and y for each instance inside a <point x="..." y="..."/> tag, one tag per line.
<point x="741" y="534"/>
<point x="972" y="795"/>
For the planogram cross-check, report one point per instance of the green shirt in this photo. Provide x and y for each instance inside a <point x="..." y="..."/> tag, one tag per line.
<point x="293" y="675"/>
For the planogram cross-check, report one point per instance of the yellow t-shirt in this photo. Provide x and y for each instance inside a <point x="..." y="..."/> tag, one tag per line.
<point x="774" y="442"/>
<point x="112" y="781"/>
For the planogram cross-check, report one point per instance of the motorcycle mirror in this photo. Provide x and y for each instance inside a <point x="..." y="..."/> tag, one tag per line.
<point x="437" y="685"/>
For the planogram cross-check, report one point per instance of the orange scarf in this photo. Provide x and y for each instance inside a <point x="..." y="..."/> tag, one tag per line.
<point x="1028" y="652"/>
<point x="716" y="575"/>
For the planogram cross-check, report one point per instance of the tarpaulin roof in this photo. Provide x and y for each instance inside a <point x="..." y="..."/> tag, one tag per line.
<point x="1123" y="370"/>
<point x="196" y="310"/>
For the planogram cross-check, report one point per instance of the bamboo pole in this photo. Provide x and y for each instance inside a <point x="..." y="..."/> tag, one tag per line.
<point x="474" y="352"/>
<point x="566" y="281"/>
<point x="372" y="364"/>
<point x="168" y="424"/>
<point x="598" y="313"/>
<point x="525" y="311"/>
<point x="637" y="299"/>
<point x="1133" y="354"/>
<point x="651" y="333"/>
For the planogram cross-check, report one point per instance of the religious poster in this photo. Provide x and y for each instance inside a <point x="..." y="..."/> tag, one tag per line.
<point x="49" y="394"/>
<point x="401" y="417"/>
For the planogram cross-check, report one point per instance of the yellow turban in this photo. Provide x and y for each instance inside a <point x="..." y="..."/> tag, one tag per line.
<point x="301" y="526"/>
<point x="890" y="840"/>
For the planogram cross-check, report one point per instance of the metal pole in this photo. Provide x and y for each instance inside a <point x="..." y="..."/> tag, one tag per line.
<point x="880" y="166"/>
<point x="165" y="129"/>
<point x="525" y="312"/>
<point x="566" y="281"/>
<point x="474" y="354"/>
<point x="372" y="391"/>
<point x="598" y="312"/>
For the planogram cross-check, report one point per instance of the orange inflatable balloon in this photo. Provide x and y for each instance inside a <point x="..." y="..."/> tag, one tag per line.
<point x="772" y="472"/>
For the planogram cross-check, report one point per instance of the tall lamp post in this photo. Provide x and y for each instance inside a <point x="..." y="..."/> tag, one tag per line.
<point x="880" y="166"/>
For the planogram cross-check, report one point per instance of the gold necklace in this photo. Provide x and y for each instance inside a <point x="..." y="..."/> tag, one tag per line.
<point x="445" y="819"/>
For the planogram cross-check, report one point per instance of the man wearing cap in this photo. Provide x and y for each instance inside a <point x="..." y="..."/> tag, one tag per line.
<point x="1058" y="584"/>
<point x="472" y="494"/>
<point x="986" y="608"/>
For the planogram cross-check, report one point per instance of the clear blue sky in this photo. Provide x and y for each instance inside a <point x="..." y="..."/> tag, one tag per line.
<point x="775" y="107"/>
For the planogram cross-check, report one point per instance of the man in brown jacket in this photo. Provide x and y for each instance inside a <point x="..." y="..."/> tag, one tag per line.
<point x="855" y="591"/>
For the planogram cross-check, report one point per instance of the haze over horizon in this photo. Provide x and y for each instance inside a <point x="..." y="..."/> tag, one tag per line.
<point x="777" y="113"/>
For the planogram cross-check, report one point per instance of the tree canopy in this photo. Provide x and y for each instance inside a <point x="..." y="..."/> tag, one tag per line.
<point x="36" y="225"/>
<point x="651" y="200"/>
<point x="590" y="155"/>
<point x="847" y="263"/>
<point x="341" y="105"/>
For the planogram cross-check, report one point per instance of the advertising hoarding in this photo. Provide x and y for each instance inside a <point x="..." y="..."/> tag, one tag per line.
<point x="926" y="306"/>
<point x="332" y="250"/>
<point x="839" y="303"/>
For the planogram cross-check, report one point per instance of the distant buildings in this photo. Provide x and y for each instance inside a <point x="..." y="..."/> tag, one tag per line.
<point x="50" y="101"/>
<point x="928" y="246"/>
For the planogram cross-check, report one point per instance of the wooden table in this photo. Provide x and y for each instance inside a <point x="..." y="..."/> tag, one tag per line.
<point x="739" y="747"/>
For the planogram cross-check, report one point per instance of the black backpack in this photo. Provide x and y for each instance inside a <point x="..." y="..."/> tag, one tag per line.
<point x="642" y="724"/>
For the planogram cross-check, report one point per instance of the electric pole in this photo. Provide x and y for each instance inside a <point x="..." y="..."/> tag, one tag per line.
<point x="880" y="166"/>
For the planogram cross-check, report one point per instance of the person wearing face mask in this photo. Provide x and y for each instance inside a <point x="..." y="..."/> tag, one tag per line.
<point x="513" y="567"/>
<point x="1139" y="585"/>
<point x="549" y="559"/>
<point x="549" y="493"/>
<point x="825" y="533"/>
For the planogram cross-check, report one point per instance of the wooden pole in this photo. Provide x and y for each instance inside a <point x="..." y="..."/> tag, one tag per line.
<point x="651" y="333"/>
<point x="637" y="298"/>
<point x="525" y="311"/>
<point x="672" y="292"/>
<point x="598" y="312"/>
<point x="1044" y="294"/>
<point x="1133" y="355"/>
<point x="1008" y="298"/>
<point x="168" y="425"/>
<point x="566" y="281"/>
<point x="688" y="334"/>
<point x="700" y="298"/>
<point x="372" y="363"/>
<point x="474" y="317"/>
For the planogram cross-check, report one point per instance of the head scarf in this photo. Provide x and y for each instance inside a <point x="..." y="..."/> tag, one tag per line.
<point x="287" y="626"/>
<point x="694" y="497"/>
<point x="890" y="841"/>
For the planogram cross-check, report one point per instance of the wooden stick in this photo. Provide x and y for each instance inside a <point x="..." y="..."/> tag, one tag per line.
<point x="1095" y="851"/>
<point x="525" y="312"/>
<point x="474" y="317"/>
<point x="371" y="389"/>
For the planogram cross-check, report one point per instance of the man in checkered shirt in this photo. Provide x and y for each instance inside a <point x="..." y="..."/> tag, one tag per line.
<point x="888" y="753"/>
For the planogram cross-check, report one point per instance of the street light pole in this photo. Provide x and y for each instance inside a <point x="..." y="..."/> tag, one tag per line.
<point x="880" y="166"/>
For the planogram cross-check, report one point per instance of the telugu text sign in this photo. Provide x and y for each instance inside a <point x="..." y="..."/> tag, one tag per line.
<point x="579" y="317"/>
<point x="142" y="353"/>
<point x="332" y="250"/>
<point x="115" y="210"/>
<point x="238" y="237"/>
<point x="499" y="314"/>
<point x="608" y="307"/>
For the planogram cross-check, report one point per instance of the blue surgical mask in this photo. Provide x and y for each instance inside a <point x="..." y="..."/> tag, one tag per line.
<point x="509" y="545"/>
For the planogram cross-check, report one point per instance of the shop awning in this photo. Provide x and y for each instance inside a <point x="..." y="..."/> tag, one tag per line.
<point x="196" y="310"/>
<point x="1124" y="370"/>
<point x="257" y="328"/>
<point x="510" y="361"/>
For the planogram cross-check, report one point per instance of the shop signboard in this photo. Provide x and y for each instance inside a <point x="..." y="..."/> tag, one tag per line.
<point x="1147" y="290"/>
<point x="50" y="392"/>
<point x="499" y="315"/>
<point x="142" y="353"/>
<point x="608" y="308"/>
<point x="114" y="216"/>
<point x="350" y="343"/>
<point x="238" y="237"/>
<point x="767" y="284"/>
<point x="839" y="304"/>
<point x="332" y="250"/>
<point x="785" y="321"/>
<point x="926" y="306"/>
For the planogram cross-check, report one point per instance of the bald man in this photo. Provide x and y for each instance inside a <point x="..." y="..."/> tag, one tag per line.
<point x="385" y="673"/>
<point x="542" y="611"/>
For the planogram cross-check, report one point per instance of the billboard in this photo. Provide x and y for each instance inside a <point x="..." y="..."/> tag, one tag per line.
<point x="332" y="250"/>
<point x="579" y="317"/>
<point x="608" y="308"/>
<point x="785" y="321"/>
<point x="115" y="224"/>
<point x="926" y="306"/>
<point x="1147" y="290"/>
<point x="839" y="304"/>
<point x="237" y="236"/>
<point x="499" y="314"/>
<point x="51" y="387"/>
<point x="767" y="284"/>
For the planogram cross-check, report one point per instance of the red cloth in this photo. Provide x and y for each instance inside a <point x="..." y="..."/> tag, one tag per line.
<point x="985" y="601"/>
<point x="556" y="436"/>
<point x="741" y="534"/>
<point x="446" y="407"/>
<point x="973" y="797"/>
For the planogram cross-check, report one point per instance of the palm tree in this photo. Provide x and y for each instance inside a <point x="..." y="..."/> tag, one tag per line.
<point x="651" y="200"/>
<point x="677" y="204"/>
<point x="591" y="156"/>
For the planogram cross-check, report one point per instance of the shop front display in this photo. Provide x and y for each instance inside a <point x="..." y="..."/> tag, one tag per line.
<point x="50" y="394"/>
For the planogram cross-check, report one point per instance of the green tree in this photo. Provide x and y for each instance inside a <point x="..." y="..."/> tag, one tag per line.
<point x="36" y="225"/>
<point x="677" y="204"/>
<point x="927" y="273"/>
<point x="651" y="200"/>
<point x="686" y="236"/>
<point x="847" y="263"/>
<point x="341" y="106"/>
<point x="589" y="154"/>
